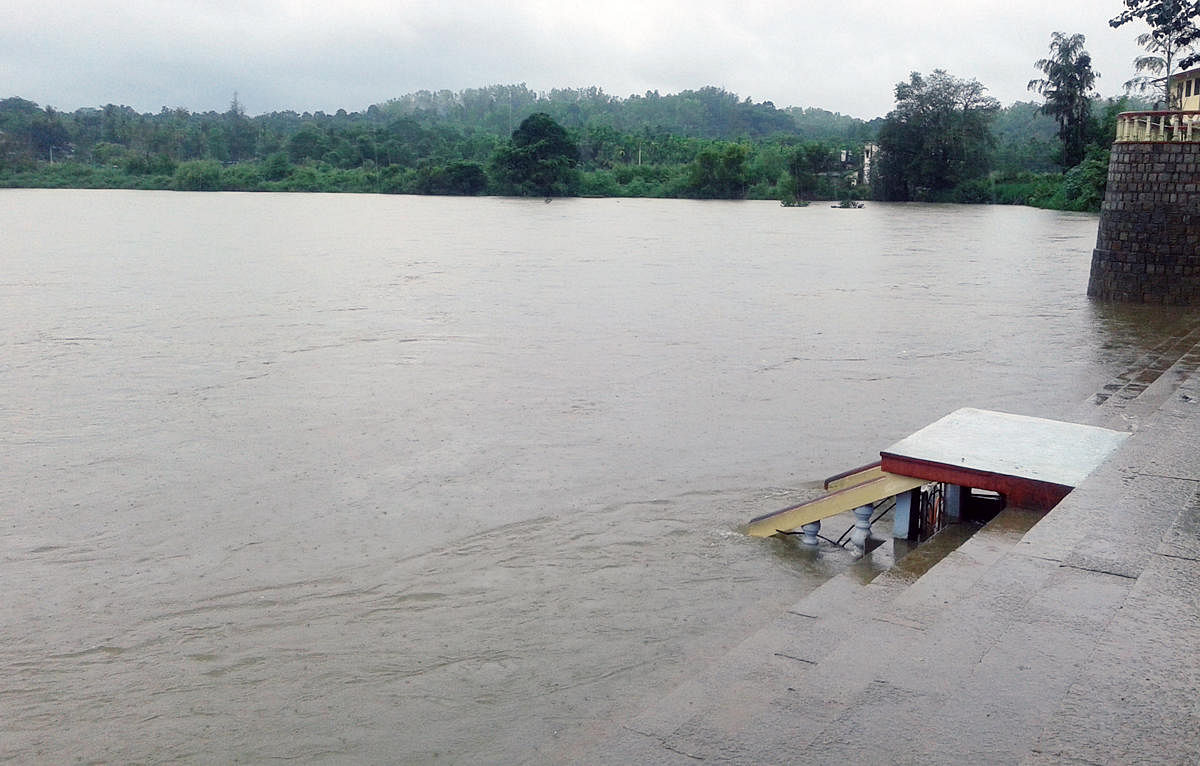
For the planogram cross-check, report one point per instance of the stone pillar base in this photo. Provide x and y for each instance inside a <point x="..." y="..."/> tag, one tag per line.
<point x="1148" y="243"/>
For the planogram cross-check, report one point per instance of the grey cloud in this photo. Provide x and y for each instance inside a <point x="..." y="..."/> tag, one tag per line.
<point x="305" y="56"/>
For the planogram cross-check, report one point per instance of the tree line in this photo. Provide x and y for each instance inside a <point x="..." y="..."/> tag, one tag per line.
<point x="706" y="143"/>
<point x="428" y="143"/>
<point x="946" y="140"/>
<point x="938" y="144"/>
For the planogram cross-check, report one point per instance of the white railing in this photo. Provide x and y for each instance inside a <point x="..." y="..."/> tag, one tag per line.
<point x="1158" y="126"/>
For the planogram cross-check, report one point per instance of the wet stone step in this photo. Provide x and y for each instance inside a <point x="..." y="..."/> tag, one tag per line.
<point x="1161" y="370"/>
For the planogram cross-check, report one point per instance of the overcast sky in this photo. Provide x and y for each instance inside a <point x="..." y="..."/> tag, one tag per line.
<point x="841" y="55"/>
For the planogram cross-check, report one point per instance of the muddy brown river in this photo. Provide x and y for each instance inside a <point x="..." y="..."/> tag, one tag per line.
<point x="372" y="479"/>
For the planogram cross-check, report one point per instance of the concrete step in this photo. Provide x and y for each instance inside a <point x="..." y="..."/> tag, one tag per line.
<point x="1133" y="700"/>
<point x="1063" y="638"/>
<point x="1073" y="642"/>
<point x="1076" y="645"/>
<point x="740" y="707"/>
<point x="1139" y="391"/>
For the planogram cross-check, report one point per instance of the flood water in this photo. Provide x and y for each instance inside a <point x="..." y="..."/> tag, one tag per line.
<point x="364" y="479"/>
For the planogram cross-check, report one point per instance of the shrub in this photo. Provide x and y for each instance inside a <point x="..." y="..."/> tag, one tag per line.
<point x="197" y="175"/>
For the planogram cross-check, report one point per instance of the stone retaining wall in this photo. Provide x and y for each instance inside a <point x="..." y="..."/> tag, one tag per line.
<point x="1148" y="245"/>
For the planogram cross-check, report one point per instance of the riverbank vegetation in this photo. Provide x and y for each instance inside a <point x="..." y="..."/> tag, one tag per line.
<point x="941" y="142"/>
<point x="705" y="144"/>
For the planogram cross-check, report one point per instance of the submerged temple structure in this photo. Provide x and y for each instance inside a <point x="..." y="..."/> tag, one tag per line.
<point x="1148" y="244"/>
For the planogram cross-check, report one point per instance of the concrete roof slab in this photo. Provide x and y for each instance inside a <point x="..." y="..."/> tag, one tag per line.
<point x="985" y="441"/>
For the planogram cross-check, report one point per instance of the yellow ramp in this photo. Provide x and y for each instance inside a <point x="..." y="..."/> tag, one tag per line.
<point x="869" y="491"/>
<point x="854" y="477"/>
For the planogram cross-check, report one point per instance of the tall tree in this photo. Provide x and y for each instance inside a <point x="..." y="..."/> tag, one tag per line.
<point x="240" y="131"/>
<point x="49" y="135"/>
<point x="539" y="160"/>
<point x="1067" y="88"/>
<point x="937" y="136"/>
<point x="804" y="166"/>
<point x="1173" y="29"/>
<point x="1152" y="67"/>
<point x="718" y="172"/>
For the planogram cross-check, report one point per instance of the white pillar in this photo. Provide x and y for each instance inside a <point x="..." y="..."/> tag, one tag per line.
<point x="908" y="507"/>
<point x="862" y="526"/>
<point x="810" y="533"/>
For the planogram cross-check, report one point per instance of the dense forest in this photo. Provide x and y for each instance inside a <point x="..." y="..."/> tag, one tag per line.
<point x="703" y="143"/>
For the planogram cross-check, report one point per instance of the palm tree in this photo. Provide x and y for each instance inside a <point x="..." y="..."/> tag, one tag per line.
<point x="1067" y="89"/>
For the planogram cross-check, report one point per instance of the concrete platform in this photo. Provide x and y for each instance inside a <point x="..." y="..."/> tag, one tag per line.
<point x="1034" y="462"/>
<point x="1075" y="640"/>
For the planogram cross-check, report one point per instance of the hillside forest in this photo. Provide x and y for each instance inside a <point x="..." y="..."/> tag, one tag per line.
<point x="509" y="140"/>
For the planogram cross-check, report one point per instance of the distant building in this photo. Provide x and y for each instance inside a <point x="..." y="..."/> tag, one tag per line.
<point x="869" y="152"/>
<point x="1186" y="89"/>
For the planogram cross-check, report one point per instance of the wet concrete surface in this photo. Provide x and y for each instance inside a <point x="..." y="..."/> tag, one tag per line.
<point x="1072" y="642"/>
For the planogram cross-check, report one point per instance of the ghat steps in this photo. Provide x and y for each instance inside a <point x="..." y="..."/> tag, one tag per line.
<point x="1069" y="641"/>
<point x="1139" y="391"/>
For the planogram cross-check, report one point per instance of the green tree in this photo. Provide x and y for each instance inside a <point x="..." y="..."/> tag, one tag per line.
<point x="241" y="133"/>
<point x="1151" y="69"/>
<point x="138" y="164"/>
<point x="719" y="173"/>
<point x="1173" y="29"/>
<point x="48" y="135"/>
<point x="1084" y="184"/>
<point x="197" y="175"/>
<point x="309" y="143"/>
<point x="805" y="165"/>
<point x="276" y="167"/>
<point x="539" y="160"/>
<point x="937" y="137"/>
<point x="458" y="178"/>
<point x="1026" y="140"/>
<point x="1067" y="88"/>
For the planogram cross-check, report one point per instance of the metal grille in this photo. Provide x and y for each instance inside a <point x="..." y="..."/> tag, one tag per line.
<point x="933" y="517"/>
